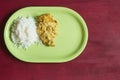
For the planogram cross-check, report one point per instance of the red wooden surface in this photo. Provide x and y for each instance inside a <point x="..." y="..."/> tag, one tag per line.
<point x="100" y="59"/>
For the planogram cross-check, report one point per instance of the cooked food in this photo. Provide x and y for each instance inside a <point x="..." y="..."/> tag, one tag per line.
<point x="23" y="32"/>
<point x="47" y="29"/>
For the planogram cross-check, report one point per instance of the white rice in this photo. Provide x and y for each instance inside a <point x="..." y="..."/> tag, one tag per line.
<point x="23" y="32"/>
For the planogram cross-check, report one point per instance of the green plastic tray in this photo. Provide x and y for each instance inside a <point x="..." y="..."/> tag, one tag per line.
<point x="70" y="42"/>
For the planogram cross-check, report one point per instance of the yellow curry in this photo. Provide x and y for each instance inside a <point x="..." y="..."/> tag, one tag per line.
<point x="47" y="29"/>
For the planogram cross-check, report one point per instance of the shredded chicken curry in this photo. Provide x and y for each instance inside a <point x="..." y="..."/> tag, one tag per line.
<point x="47" y="29"/>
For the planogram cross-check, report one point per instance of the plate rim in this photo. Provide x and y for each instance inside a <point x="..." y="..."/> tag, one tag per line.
<point x="61" y="61"/>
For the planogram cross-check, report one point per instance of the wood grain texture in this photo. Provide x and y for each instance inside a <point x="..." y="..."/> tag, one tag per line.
<point x="100" y="59"/>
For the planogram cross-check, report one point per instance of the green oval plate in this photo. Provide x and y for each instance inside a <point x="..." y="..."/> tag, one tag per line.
<point x="70" y="42"/>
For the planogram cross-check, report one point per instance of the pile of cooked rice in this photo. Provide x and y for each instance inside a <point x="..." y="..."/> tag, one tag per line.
<point x="23" y="32"/>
